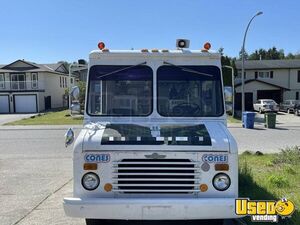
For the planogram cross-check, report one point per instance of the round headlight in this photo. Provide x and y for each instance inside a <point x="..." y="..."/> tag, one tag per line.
<point x="90" y="181"/>
<point x="221" y="182"/>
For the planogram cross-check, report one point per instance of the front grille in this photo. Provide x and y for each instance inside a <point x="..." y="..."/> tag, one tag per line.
<point x="155" y="176"/>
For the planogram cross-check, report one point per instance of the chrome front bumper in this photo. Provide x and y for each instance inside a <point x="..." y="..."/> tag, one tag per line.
<point x="150" y="209"/>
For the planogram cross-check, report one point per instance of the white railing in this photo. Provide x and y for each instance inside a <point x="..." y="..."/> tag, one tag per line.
<point x="20" y="85"/>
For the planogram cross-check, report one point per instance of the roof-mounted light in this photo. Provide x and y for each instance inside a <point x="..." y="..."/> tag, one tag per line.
<point x="206" y="47"/>
<point x="101" y="45"/>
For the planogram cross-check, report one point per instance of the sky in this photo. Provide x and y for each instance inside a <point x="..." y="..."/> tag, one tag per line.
<point x="50" y="31"/>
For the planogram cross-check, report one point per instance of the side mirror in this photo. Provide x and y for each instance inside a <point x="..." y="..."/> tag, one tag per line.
<point x="75" y="92"/>
<point x="69" y="137"/>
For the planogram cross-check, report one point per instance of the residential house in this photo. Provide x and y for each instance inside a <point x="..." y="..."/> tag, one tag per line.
<point x="268" y="79"/>
<point x="27" y="87"/>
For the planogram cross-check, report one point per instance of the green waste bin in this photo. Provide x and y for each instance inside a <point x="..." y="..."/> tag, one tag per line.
<point x="270" y="120"/>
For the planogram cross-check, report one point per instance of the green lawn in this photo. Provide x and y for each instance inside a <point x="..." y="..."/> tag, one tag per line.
<point x="50" y="118"/>
<point x="231" y="119"/>
<point x="271" y="177"/>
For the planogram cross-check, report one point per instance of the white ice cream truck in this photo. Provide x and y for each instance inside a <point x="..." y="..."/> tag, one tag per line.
<point x="155" y="145"/>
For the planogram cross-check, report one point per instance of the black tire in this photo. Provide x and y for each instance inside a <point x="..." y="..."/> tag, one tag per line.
<point x="94" y="222"/>
<point x="288" y="111"/>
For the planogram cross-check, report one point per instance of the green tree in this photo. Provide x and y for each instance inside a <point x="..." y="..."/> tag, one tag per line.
<point x="290" y="56"/>
<point x="246" y="56"/>
<point x="226" y="61"/>
<point x="271" y="53"/>
<point x="82" y="88"/>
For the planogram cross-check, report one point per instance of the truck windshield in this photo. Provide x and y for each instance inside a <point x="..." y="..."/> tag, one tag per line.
<point x="120" y="90"/>
<point x="189" y="91"/>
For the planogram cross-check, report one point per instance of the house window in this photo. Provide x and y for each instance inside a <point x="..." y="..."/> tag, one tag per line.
<point x="2" y="84"/>
<point x="264" y="74"/>
<point x="63" y="82"/>
<point x="60" y="83"/>
<point x="18" y="81"/>
<point x="298" y="78"/>
<point x="240" y="74"/>
<point x="34" y="80"/>
<point x="297" y="95"/>
<point x="66" y="82"/>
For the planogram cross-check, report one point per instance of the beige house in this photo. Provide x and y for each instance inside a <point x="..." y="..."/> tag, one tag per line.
<point x="268" y="79"/>
<point x="27" y="87"/>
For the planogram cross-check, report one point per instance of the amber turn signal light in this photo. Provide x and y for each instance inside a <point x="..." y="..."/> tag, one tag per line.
<point x="203" y="187"/>
<point x="90" y="166"/>
<point x="221" y="167"/>
<point x="108" y="187"/>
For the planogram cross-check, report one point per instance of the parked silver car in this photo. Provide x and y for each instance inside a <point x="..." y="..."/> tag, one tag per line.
<point x="297" y="108"/>
<point x="266" y="105"/>
<point x="287" y="106"/>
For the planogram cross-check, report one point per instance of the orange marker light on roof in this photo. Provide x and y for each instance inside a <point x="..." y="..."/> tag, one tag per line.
<point x="207" y="46"/>
<point x="101" y="45"/>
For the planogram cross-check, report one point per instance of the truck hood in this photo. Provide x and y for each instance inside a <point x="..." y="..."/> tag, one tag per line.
<point x="205" y="136"/>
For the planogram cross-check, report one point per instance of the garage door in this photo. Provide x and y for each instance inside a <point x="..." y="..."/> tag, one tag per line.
<point x="25" y="103"/>
<point x="270" y="94"/>
<point x="4" y="104"/>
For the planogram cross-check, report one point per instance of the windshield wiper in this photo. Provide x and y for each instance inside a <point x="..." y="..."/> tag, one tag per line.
<point x="189" y="70"/>
<point x="119" y="70"/>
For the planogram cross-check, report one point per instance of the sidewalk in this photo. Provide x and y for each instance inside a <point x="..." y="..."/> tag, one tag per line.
<point x="7" y="118"/>
<point x="41" y="127"/>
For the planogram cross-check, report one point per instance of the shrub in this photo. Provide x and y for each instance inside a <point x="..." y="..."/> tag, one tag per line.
<point x="289" y="155"/>
<point x="247" y="152"/>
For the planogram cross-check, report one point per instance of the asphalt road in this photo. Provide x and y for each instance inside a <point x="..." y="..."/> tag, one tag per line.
<point x="36" y="170"/>
<point x="286" y="134"/>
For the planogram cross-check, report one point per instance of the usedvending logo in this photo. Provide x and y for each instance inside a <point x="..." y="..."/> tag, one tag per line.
<point x="264" y="211"/>
<point x="215" y="158"/>
<point x="97" y="158"/>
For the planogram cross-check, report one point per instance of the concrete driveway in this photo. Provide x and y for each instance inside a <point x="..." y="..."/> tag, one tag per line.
<point x="282" y="120"/>
<point x="6" y="118"/>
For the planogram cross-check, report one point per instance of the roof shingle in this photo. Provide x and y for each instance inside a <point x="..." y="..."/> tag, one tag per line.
<point x="269" y="64"/>
<point x="37" y="67"/>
